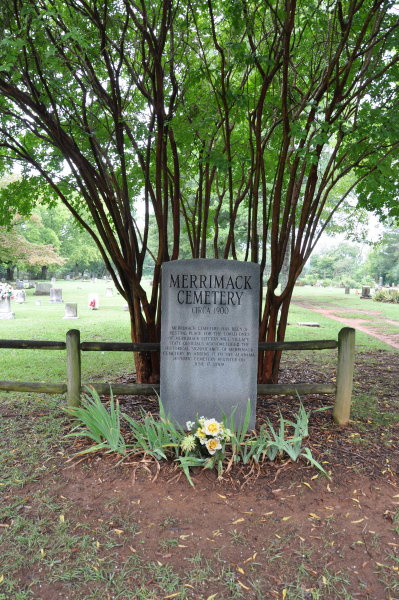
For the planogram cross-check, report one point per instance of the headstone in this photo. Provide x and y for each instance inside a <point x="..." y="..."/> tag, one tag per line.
<point x="71" y="311"/>
<point x="67" y="277"/>
<point x="209" y="339"/>
<point x="5" y="309"/>
<point x="365" y="293"/>
<point x="56" y="295"/>
<point x="381" y="281"/>
<point x="93" y="302"/>
<point x="347" y="289"/>
<point x="37" y="302"/>
<point x="19" y="285"/>
<point x="2" y="280"/>
<point x="20" y="296"/>
<point x="109" y="292"/>
<point x="42" y="289"/>
<point x="53" y="280"/>
<point x="126" y="307"/>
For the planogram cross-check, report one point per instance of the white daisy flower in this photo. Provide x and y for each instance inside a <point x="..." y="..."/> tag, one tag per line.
<point x="211" y="427"/>
<point x="212" y="445"/>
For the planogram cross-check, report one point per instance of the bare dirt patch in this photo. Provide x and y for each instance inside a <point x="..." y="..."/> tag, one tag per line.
<point x="283" y="532"/>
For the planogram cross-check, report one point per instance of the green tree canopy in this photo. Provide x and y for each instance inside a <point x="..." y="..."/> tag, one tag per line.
<point x="234" y="122"/>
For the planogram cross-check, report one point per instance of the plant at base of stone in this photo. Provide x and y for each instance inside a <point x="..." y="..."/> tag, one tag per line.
<point x="280" y="443"/>
<point x="97" y="424"/>
<point x="204" y="445"/>
<point x="6" y="291"/>
<point x="154" y="437"/>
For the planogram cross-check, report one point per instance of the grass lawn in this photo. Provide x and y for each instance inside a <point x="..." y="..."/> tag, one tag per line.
<point x="92" y="529"/>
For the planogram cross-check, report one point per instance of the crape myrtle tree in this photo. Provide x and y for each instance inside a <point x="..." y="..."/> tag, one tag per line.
<point x="231" y="122"/>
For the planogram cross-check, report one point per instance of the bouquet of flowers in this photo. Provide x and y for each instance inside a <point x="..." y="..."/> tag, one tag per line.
<point x="6" y="291"/>
<point x="205" y="437"/>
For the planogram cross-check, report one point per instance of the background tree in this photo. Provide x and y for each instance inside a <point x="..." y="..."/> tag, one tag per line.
<point x="17" y="252"/>
<point x="233" y="122"/>
<point x="340" y="263"/>
<point x="383" y="260"/>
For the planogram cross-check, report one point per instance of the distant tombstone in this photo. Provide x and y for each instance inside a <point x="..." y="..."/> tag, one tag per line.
<point x="365" y="293"/>
<point x="347" y="289"/>
<point x="126" y="307"/>
<point x="19" y="285"/>
<point x="109" y="292"/>
<point x="37" y="302"/>
<point x="53" y="280"/>
<point x="20" y="296"/>
<point x="381" y="283"/>
<point x="93" y="301"/>
<point x="3" y="280"/>
<point x="71" y="310"/>
<point x="56" y="295"/>
<point x="5" y="309"/>
<point x="42" y="289"/>
<point x="209" y="339"/>
<point x="67" y="277"/>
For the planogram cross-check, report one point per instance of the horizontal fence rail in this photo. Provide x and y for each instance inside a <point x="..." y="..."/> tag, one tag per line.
<point x="74" y="386"/>
<point x="155" y="347"/>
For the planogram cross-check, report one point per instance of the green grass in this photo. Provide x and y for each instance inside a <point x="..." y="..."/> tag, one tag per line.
<point x="45" y="322"/>
<point x="333" y="298"/>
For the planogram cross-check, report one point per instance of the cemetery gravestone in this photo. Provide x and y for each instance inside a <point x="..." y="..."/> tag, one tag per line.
<point x="93" y="301"/>
<point x="71" y="311"/>
<point x="347" y="289"/>
<point x="42" y="289"/>
<point x="109" y="292"/>
<point x="5" y="309"/>
<point x="365" y="293"/>
<point x="20" y="296"/>
<point x="209" y="338"/>
<point x="56" y="295"/>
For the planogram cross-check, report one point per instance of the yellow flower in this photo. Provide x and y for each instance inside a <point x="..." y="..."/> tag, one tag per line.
<point x="212" y="427"/>
<point x="212" y="445"/>
<point x="200" y="433"/>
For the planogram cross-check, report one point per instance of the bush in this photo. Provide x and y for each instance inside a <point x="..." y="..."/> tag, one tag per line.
<point x="387" y="295"/>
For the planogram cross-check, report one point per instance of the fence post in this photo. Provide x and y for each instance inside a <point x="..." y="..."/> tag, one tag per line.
<point x="74" y="371"/>
<point x="346" y="360"/>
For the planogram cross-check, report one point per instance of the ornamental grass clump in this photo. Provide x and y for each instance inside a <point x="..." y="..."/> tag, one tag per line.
<point x="157" y="438"/>
<point x="98" y="424"/>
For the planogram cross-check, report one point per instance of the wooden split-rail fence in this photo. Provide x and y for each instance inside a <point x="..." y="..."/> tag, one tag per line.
<point x="342" y="389"/>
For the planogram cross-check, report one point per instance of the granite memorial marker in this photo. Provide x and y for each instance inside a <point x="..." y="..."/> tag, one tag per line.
<point x="71" y="310"/>
<point x="209" y="338"/>
<point x="56" y="295"/>
<point x="94" y="302"/>
<point x="42" y="289"/>
<point x="5" y="309"/>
